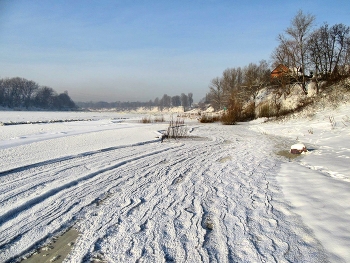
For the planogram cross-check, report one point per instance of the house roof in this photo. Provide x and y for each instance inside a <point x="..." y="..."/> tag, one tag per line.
<point x="280" y="69"/>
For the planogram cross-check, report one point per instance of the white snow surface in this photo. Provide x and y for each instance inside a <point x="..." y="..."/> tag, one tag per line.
<point x="222" y="195"/>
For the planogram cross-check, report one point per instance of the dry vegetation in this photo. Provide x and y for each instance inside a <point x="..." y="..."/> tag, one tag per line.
<point x="332" y="94"/>
<point x="208" y="118"/>
<point x="177" y="128"/>
<point x="148" y="119"/>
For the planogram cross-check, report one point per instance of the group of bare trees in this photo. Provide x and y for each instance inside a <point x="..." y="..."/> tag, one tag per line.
<point x="307" y="54"/>
<point x="165" y="102"/>
<point x="238" y="84"/>
<point x="173" y="101"/>
<point x="323" y="52"/>
<point x="22" y="93"/>
<point x="292" y="50"/>
<point x="329" y="51"/>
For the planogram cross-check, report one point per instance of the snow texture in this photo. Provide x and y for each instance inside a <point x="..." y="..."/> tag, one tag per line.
<point x="222" y="195"/>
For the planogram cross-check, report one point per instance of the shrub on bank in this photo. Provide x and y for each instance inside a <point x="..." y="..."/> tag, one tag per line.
<point x="208" y="119"/>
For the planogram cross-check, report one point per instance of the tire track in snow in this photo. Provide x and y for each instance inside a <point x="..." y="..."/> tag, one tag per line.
<point x="14" y="213"/>
<point x="167" y="242"/>
<point x="162" y="205"/>
<point x="47" y="172"/>
<point x="155" y="207"/>
<point x="70" y="157"/>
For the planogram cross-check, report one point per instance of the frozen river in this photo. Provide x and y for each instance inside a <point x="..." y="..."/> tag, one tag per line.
<point x="212" y="197"/>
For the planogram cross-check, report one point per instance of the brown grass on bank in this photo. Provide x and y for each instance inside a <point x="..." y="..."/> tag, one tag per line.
<point x="148" y="119"/>
<point x="209" y="119"/>
<point x="233" y="114"/>
<point x="266" y="110"/>
<point x="248" y="112"/>
<point x="159" y="119"/>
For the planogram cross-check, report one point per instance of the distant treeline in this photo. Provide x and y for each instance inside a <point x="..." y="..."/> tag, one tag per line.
<point x="22" y="93"/>
<point x="166" y="101"/>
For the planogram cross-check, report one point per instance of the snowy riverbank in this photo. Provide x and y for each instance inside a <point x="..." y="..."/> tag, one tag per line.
<point x="318" y="185"/>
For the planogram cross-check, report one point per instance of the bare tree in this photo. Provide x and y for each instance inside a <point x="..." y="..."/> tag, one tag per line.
<point x="176" y="101"/>
<point x="184" y="101"/>
<point x="20" y="92"/>
<point x="231" y="82"/>
<point x="238" y="85"/>
<point x="328" y="49"/>
<point x="44" y="97"/>
<point x="63" y="102"/>
<point x="4" y="92"/>
<point x="296" y="45"/>
<point x="190" y="99"/>
<point x="156" y="102"/>
<point x="17" y="92"/>
<point x="149" y="104"/>
<point x="287" y="55"/>
<point x="165" y="101"/>
<point x="255" y="78"/>
<point x="216" y="94"/>
<point x="28" y="89"/>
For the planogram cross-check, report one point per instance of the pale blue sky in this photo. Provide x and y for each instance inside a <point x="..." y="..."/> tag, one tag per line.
<point x="138" y="50"/>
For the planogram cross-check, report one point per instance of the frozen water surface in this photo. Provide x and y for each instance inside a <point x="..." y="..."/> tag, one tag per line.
<point x="226" y="198"/>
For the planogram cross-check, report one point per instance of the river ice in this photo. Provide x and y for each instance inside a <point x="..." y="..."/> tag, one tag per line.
<point x="221" y="195"/>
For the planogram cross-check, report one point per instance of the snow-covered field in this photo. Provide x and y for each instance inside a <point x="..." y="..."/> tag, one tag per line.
<point x="222" y="195"/>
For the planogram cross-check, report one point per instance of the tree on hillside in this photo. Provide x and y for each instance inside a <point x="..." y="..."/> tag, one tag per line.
<point x="240" y="84"/>
<point x="328" y="48"/>
<point x="255" y="78"/>
<point x="232" y="79"/>
<point x="216" y="94"/>
<point x="294" y="45"/>
<point x="300" y="52"/>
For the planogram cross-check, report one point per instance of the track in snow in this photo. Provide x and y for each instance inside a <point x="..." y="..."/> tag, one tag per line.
<point x="190" y="201"/>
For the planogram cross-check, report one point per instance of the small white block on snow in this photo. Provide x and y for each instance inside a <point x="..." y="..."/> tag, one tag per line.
<point x="298" y="148"/>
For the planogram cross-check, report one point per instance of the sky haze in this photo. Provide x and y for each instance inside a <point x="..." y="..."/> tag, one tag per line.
<point x="139" y="50"/>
